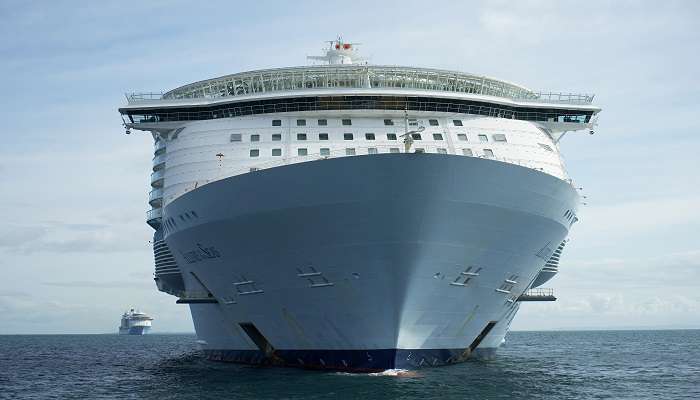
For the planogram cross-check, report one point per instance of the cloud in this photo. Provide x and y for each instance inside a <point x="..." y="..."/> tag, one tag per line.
<point x="103" y="284"/>
<point x="60" y="237"/>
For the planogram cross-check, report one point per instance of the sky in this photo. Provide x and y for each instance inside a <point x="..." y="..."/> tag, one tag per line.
<point x="74" y="247"/>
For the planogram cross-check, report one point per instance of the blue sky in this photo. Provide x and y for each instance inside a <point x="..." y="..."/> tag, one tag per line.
<point x="74" y="249"/>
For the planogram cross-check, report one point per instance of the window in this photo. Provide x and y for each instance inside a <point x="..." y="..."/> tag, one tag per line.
<point x="462" y="137"/>
<point x="483" y="138"/>
<point x="369" y="136"/>
<point x="347" y="122"/>
<point x="467" y="152"/>
<point x="371" y="150"/>
<point x="322" y="136"/>
<point x="390" y="136"/>
<point x="276" y="122"/>
<point x="488" y="153"/>
<point x="254" y="152"/>
<point x="412" y="122"/>
<point x="325" y="151"/>
<point x="457" y="122"/>
<point x="302" y="152"/>
<point x="322" y="122"/>
<point x="301" y="136"/>
<point x="301" y="122"/>
<point x="433" y="122"/>
<point x="545" y="146"/>
<point x="394" y="150"/>
<point x="388" y="122"/>
<point x="350" y="152"/>
<point x="441" y="150"/>
<point x="347" y="136"/>
<point x="416" y="136"/>
<point x="236" y="137"/>
<point x="420" y="150"/>
<point x="276" y="137"/>
<point x="254" y="138"/>
<point x="437" y="136"/>
<point x="276" y="152"/>
<point x="499" y="137"/>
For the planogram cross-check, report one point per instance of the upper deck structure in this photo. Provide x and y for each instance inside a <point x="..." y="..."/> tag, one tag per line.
<point x="346" y="84"/>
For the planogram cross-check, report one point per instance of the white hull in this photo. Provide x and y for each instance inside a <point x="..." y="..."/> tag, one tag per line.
<point x="358" y="262"/>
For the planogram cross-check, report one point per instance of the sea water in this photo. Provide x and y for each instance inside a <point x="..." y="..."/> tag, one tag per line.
<point x="532" y="365"/>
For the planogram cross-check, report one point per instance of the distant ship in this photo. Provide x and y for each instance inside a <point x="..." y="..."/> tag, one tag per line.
<point x="135" y="323"/>
<point x="357" y="217"/>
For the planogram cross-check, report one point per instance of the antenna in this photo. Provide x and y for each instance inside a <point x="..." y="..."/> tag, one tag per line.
<point x="339" y="52"/>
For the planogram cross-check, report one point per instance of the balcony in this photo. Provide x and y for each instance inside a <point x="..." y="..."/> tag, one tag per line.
<point x="154" y="217"/>
<point x="157" y="178"/>
<point x="159" y="161"/>
<point x="158" y="146"/>
<point x="155" y="197"/>
<point x="539" y="294"/>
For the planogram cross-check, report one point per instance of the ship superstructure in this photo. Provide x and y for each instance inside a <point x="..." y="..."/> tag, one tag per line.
<point x="356" y="216"/>
<point x="135" y="322"/>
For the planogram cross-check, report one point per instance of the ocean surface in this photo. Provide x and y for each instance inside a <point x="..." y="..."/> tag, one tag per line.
<point x="532" y="365"/>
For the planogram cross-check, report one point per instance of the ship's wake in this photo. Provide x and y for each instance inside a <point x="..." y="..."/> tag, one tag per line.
<point x="399" y="373"/>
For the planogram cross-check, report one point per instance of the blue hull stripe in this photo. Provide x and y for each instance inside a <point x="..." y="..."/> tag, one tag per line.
<point x="349" y="360"/>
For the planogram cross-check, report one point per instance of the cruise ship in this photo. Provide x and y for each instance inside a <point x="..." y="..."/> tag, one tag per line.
<point x="135" y="323"/>
<point x="359" y="217"/>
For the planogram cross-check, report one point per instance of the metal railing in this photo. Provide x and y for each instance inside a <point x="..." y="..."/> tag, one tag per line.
<point x="159" y="159"/>
<point x="539" y="292"/>
<point x="560" y="97"/>
<point x="155" y="194"/>
<point x="157" y="176"/>
<point x="358" y="103"/>
<point x="158" y="145"/>
<point x="354" y="76"/>
<point x="143" y="96"/>
<point x="154" y="213"/>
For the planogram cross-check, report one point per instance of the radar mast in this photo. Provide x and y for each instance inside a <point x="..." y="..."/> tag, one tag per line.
<point x="339" y="52"/>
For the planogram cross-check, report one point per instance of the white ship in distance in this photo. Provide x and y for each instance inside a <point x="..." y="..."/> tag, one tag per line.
<point x="135" y="322"/>
<point x="360" y="217"/>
